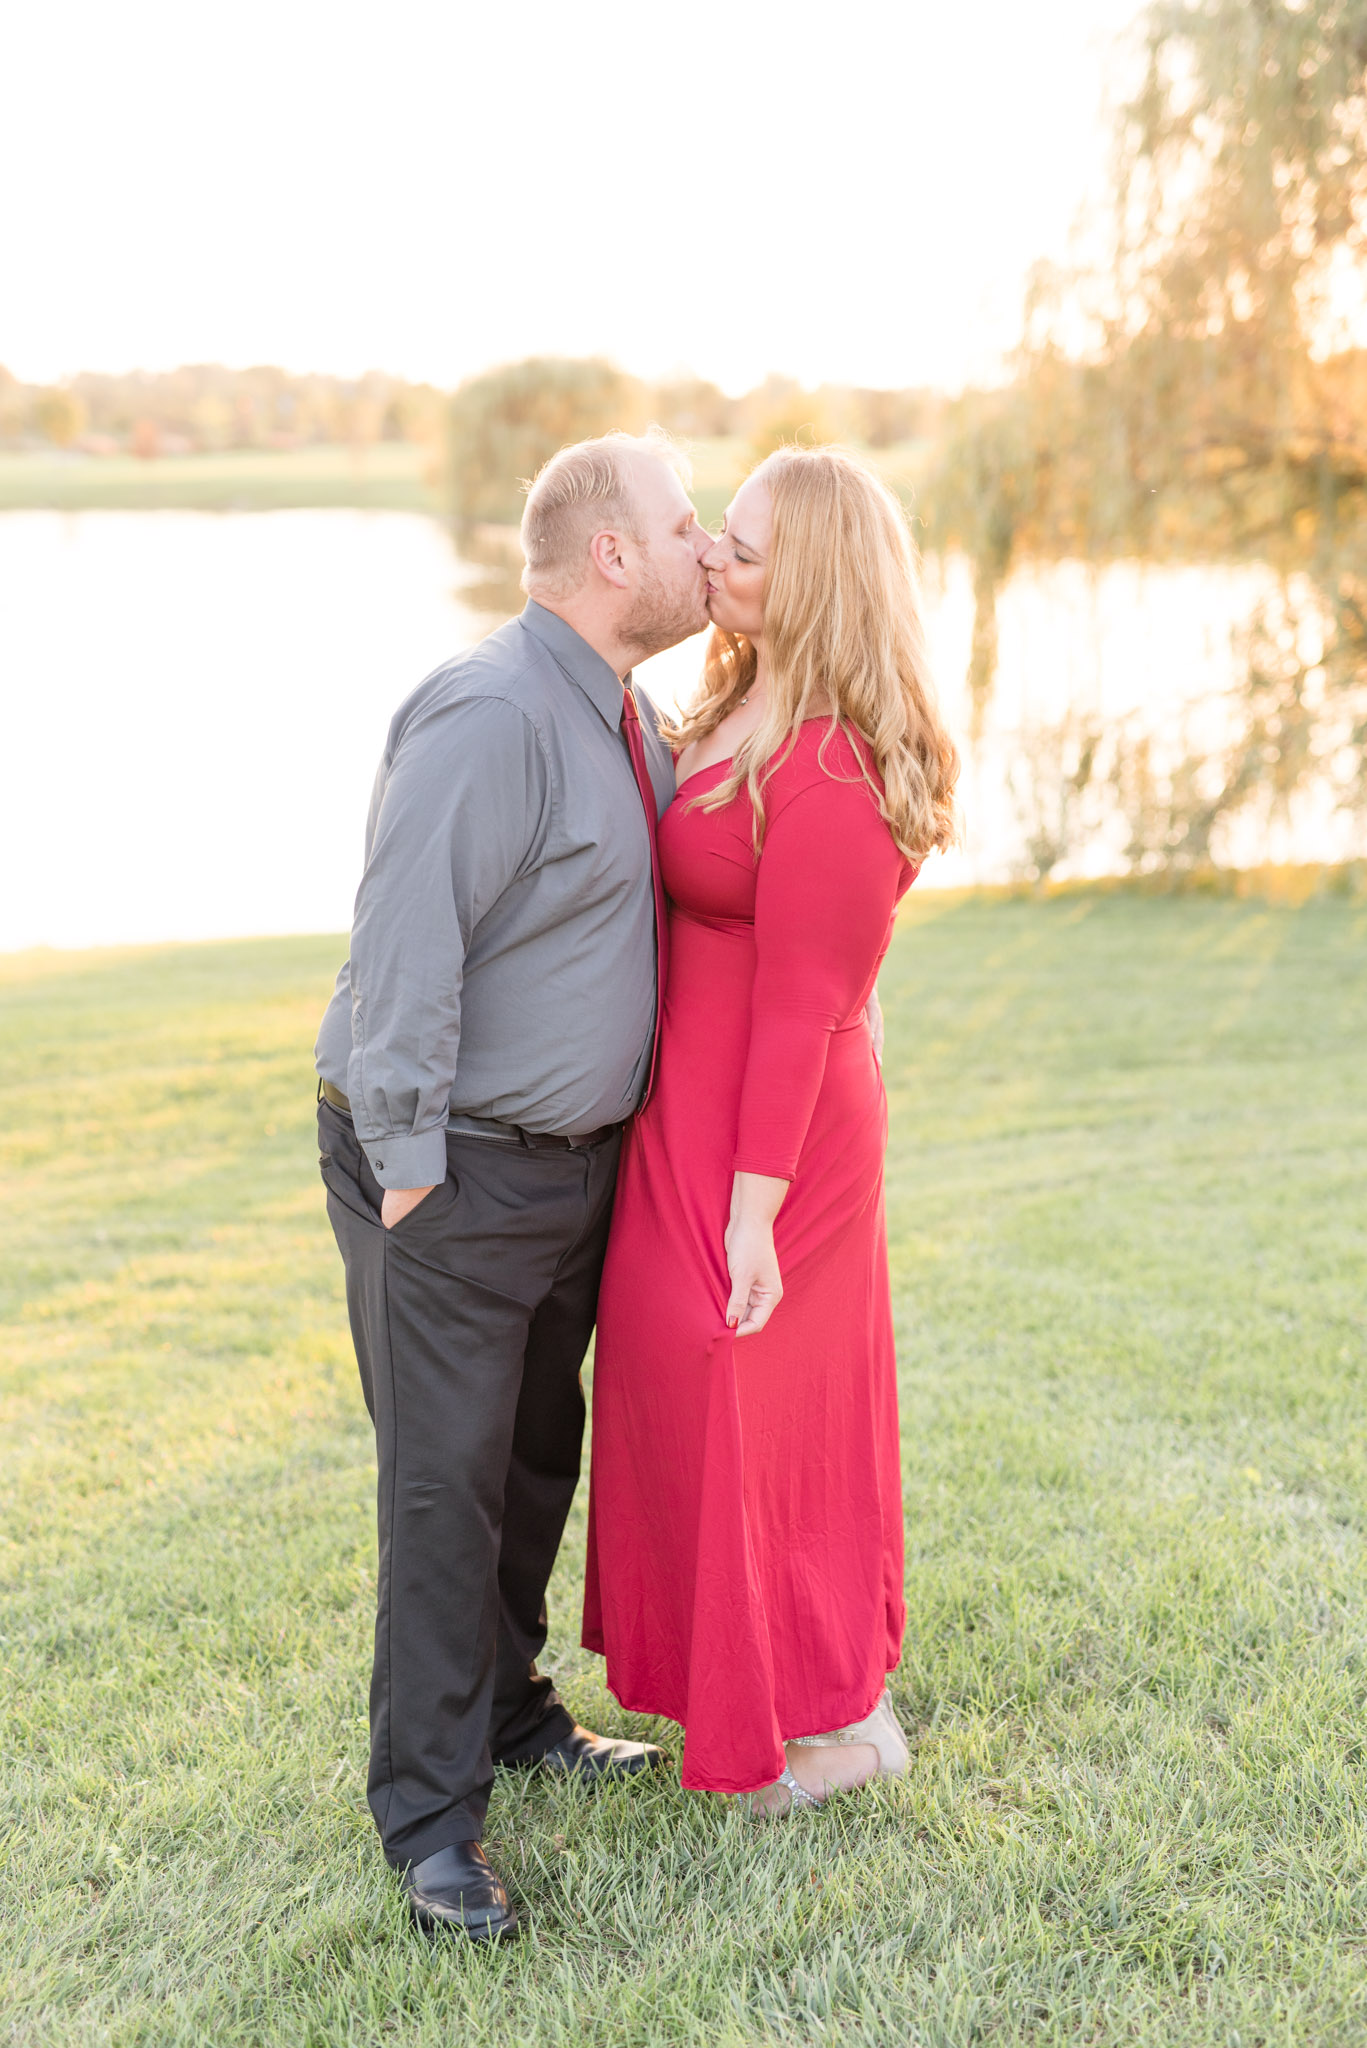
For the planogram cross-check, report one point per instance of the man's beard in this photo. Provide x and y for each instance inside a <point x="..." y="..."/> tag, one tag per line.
<point x="662" y="617"/>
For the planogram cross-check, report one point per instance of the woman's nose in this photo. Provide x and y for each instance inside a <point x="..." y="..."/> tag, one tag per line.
<point x="712" y="556"/>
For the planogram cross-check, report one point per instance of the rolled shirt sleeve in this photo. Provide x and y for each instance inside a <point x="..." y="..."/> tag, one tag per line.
<point x="459" y="812"/>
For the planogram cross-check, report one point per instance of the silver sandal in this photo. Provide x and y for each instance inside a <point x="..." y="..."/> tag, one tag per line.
<point x="878" y="1729"/>
<point x="798" y="1795"/>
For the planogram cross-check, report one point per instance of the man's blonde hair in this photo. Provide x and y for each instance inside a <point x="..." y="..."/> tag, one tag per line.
<point x="581" y="491"/>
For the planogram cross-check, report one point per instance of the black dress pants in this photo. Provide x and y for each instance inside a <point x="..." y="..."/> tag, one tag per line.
<point x="470" y="1318"/>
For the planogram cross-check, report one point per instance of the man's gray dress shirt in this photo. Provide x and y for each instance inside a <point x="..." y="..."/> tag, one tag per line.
<point x="503" y="946"/>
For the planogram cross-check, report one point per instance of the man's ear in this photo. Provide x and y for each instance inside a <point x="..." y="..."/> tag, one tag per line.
<point x="605" y="553"/>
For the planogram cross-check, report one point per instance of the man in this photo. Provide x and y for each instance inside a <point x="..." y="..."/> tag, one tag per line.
<point x="488" y="1037"/>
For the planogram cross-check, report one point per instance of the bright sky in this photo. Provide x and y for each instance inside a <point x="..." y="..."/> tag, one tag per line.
<point x="849" y="192"/>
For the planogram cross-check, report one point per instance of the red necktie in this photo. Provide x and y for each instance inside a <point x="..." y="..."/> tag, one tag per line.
<point x="631" y="726"/>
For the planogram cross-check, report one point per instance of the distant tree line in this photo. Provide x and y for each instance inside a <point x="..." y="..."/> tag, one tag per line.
<point x="204" y="407"/>
<point x="505" y="424"/>
<point x="496" y="428"/>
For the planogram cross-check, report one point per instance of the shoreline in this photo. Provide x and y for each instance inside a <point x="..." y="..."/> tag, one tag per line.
<point x="1285" y="887"/>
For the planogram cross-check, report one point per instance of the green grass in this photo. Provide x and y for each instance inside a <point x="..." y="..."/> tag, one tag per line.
<point x="389" y="476"/>
<point x="1129" y="1221"/>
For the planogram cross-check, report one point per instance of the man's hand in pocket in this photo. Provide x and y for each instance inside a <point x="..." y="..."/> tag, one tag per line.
<point x="398" y="1202"/>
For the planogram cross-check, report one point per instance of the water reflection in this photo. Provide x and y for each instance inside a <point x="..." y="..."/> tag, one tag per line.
<point x="194" y="705"/>
<point x="493" y="558"/>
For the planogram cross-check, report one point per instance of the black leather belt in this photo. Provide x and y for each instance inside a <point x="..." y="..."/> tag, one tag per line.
<point x="492" y="1131"/>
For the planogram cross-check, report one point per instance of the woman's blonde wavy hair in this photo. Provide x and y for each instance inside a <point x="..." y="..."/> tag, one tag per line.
<point x="844" y="640"/>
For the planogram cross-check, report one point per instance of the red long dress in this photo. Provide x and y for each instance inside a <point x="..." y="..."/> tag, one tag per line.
<point x="745" y="1515"/>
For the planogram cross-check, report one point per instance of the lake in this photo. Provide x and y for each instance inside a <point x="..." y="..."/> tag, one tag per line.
<point x="192" y="706"/>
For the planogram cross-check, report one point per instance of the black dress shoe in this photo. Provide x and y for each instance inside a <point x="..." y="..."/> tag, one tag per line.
<point x="581" y="1752"/>
<point x="456" y="1892"/>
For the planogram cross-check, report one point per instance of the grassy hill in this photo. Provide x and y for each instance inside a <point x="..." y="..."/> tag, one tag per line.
<point x="389" y="476"/>
<point x="1128" y="1213"/>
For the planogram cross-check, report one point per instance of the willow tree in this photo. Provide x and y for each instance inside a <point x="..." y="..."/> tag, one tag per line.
<point x="1217" y="413"/>
<point x="503" y="425"/>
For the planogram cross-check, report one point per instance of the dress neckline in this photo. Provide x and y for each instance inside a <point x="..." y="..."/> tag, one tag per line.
<point x="819" y="719"/>
<point x="703" y="771"/>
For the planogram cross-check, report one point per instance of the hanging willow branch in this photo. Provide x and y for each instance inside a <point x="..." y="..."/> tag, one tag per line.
<point x="1218" y="415"/>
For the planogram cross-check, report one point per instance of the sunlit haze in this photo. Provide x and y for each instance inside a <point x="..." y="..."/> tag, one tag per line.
<point x="849" y="193"/>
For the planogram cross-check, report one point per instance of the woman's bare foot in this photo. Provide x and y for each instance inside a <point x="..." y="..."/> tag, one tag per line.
<point x="831" y="1766"/>
<point x="827" y="1767"/>
<point x="771" y="1802"/>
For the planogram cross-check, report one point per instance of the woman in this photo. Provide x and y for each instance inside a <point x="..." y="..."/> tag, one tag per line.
<point x="745" y="1521"/>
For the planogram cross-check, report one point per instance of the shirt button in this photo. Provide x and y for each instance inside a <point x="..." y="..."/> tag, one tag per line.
<point x="379" y="1166"/>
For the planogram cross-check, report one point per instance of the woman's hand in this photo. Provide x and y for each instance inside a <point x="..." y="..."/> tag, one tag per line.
<point x="756" y="1283"/>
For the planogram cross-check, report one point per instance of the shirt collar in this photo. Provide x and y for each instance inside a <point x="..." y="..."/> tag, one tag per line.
<point x="579" y="661"/>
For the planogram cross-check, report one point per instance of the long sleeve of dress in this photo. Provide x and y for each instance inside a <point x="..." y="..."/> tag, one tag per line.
<point x="829" y="877"/>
